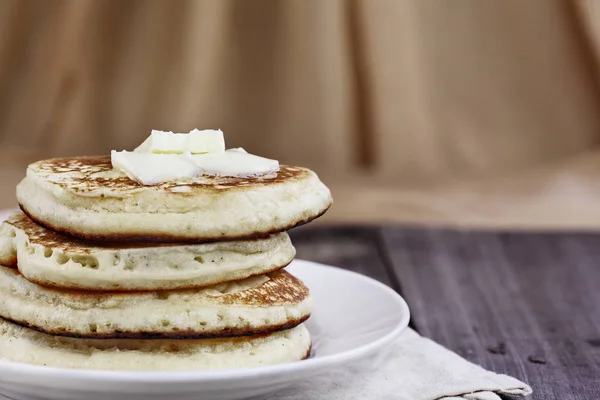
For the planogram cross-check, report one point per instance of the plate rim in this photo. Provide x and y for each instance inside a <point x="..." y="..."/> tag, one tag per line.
<point x="242" y="374"/>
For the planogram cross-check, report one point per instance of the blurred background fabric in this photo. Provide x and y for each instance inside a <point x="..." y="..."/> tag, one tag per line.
<point x="468" y="112"/>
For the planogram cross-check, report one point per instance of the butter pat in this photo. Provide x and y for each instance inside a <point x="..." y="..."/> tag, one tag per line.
<point x="197" y="141"/>
<point x="168" y="156"/>
<point x="206" y="141"/>
<point x="153" y="169"/>
<point x="164" y="142"/>
<point x="233" y="163"/>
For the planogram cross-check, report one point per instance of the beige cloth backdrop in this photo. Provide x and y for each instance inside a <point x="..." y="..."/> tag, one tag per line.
<point x="444" y="111"/>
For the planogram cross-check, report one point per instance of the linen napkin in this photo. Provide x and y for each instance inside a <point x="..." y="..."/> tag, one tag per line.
<point x="411" y="368"/>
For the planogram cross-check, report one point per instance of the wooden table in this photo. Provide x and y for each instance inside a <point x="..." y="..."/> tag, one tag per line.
<point x="523" y="304"/>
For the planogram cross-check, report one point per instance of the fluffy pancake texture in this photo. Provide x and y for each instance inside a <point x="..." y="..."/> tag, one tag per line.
<point x="46" y="257"/>
<point x="258" y="304"/>
<point x="85" y="197"/>
<point x="28" y="346"/>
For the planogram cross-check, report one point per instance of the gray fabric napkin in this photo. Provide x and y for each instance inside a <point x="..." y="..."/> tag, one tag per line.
<point x="411" y="368"/>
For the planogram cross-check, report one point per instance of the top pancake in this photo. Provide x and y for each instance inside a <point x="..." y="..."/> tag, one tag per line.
<point x="87" y="198"/>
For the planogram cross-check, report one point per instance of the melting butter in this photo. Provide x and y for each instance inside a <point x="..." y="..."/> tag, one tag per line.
<point x="167" y="156"/>
<point x="195" y="142"/>
<point x="233" y="163"/>
<point x="152" y="169"/>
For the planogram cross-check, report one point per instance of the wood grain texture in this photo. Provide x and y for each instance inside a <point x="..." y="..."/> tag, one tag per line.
<point x="355" y="249"/>
<point x="522" y="304"/>
<point x="527" y="305"/>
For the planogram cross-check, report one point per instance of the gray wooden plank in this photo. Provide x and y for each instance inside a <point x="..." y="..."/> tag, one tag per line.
<point x="527" y="305"/>
<point x="350" y="248"/>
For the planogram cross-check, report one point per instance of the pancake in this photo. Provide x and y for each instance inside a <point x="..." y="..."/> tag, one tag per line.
<point x="85" y="197"/>
<point x="258" y="304"/>
<point x="46" y="257"/>
<point x="24" y="345"/>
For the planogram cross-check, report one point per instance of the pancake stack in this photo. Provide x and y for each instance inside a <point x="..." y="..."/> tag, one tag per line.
<point x="100" y="272"/>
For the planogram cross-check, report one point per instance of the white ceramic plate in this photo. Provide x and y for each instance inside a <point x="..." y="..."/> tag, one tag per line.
<point x="354" y="316"/>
